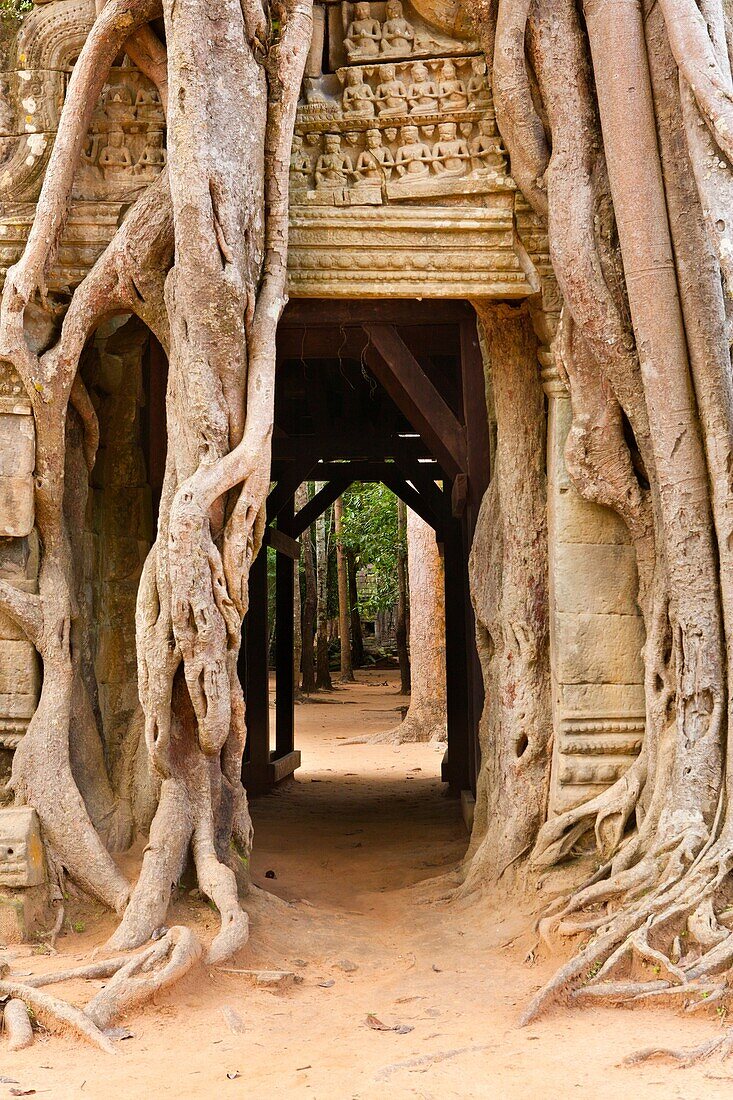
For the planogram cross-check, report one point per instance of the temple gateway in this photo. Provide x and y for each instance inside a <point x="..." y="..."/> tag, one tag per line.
<point x="405" y="228"/>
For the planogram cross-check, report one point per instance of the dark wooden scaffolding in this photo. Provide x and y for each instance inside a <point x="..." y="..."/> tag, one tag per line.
<point x="389" y="391"/>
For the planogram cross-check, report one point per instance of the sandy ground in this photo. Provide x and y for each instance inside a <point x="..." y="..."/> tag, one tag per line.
<point x="354" y="842"/>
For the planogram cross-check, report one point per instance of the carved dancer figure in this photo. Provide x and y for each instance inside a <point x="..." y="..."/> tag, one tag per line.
<point x="423" y="92"/>
<point x="333" y="168"/>
<point x="450" y="153"/>
<point x="391" y="94"/>
<point x="153" y="157"/>
<point x="358" y="98"/>
<point x="398" y="36"/>
<point x="478" y="89"/>
<point x="376" y="162"/>
<point x="363" y="35"/>
<point x="115" y="159"/>
<point x="414" y="157"/>
<point x="452" y="90"/>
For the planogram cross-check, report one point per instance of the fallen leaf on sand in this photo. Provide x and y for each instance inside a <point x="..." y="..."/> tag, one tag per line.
<point x="376" y="1025"/>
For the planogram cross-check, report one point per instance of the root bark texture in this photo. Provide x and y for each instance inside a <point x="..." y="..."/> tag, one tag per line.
<point x="201" y="258"/>
<point x="634" y="176"/>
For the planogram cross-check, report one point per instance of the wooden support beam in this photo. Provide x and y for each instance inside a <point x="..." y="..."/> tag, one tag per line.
<point x="459" y="496"/>
<point x="284" y="640"/>
<point x="399" y="373"/>
<point x="305" y="311"/>
<point x="289" y="481"/>
<point x="320" y="502"/>
<point x="352" y="443"/>
<point x="394" y="480"/>
<point x="281" y="542"/>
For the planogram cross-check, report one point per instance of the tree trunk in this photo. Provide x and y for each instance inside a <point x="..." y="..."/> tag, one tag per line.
<point x="509" y="590"/>
<point x="323" y="674"/>
<point x="347" y="672"/>
<point x="310" y="606"/>
<point x="357" y="638"/>
<point x="403" y="614"/>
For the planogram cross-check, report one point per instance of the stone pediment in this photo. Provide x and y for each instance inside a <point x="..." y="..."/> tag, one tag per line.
<point x="396" y="144"/>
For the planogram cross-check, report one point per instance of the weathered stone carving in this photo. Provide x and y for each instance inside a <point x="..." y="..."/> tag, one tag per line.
<point x="21" y="851"/>
<point x="126" y="142"/>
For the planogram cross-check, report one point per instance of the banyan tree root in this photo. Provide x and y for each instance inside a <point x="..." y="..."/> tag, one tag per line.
<point x="210" y="232"/>
<point x="17" y="1025"/>
<point x="134" y="980"/>
<point x="53" y="1011"/>
<point x="139" y="978"/>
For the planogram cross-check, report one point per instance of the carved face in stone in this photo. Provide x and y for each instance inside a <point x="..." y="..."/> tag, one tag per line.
<point x="155" y="138"/>
<point x="478" y="66"/>
<point x="484" y="127"/>
<point x="297" y="143"/>
<point x="420" y="74"/>
<point x="394" y="9"/>
<point x="363" y="11"/>
<point x="391" y="133"/>
<point x="448" y="72"/>
<point x="373" y="139"/>
<point x="409" y="135"/>
<point x="447" y="131"/>
<point x="388" y="72"/>
<point x="115" y="139"/>
<point x="333" y="143"/>
<point x="353" y="77"/>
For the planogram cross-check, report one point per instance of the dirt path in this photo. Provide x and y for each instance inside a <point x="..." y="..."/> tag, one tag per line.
<point x="348" y="841"/>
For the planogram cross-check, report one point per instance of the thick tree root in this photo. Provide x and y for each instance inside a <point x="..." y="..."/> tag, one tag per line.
<point x="52" y="1010"/>
<point x="721" y="1044"/>
<point x="17" y="1025"/>
<point x="168" y="960"/>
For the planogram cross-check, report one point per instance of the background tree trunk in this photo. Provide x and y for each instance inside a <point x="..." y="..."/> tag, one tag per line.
<point x="323" y="674"/>
<point x="347" y="672"/>
<point x="357" y="638"/>
<point x="403" y="614"/>
<point x="310" y="606"/>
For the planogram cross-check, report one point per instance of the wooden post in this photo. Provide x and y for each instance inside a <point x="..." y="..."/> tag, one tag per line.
<point x="256" y="773"/>
<point x="284" y="640"/>
<point x="456" y="770"/>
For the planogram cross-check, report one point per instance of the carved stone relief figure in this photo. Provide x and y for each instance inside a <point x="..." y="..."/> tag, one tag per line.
<point x="333" y="168"/>
<point x="452" y="91"/>
<point x="153" y="157"/>
<point x="115" y="159"/>
<point x="375" y="162"/>
<point x="358" y="97"/>
<point x="148" y="107"/>
<point x="478" y="89"/>
<point x="398" y="36"/>
<point x="391" y="94"/>
<point x="486" y="151"/>
<point x="423" y="92"/>
<point x="363" y="35"/>
<point x="450" y="153"/>
<point x="300" y="164"/>
<point x="413" y="156"/>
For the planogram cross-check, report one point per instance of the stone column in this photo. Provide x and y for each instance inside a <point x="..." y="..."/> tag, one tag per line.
<point x="596" y="629"/>
<point x="19" y="664"/>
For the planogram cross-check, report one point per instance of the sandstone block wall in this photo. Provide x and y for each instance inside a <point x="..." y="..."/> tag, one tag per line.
<point x="596" y="632"/>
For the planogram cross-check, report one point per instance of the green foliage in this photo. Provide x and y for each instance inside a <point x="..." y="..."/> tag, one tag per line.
<point x="370" y="529"/>
<point x="14" y="10"/>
